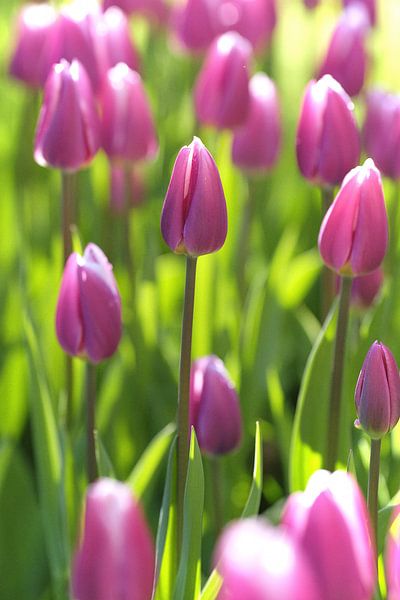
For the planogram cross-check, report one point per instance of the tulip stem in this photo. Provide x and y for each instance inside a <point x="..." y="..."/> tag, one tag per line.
<point x="373" y="482"/>
<point x="184" y="390"/>
<point x="244" y="237"/>
<point x="328" y="276"/>
<point x="216" y="479"/>
<point x="90" y="421"/>
<point x="337" y="374"/>
<point x="127" y="230"/>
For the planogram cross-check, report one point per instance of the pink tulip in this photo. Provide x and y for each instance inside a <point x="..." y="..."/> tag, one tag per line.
<point x="156" y="10"/>
<point x="196" y="23"/>
<point x="255" y="20"/>
<point x="369" y="5"/>
<point x="115" y="40"/>
<point x="364" y="289"/>
<point x="127" y="188"/>
<point x="392" y="556"/>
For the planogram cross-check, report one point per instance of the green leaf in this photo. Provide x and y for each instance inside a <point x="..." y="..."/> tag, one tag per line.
<point x="253" y="501"/>
<point x="212" y="587"/>
<point x="104" y="463"/>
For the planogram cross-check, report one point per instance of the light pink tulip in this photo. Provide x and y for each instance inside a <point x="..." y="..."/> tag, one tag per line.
<point x="115" y="42"/>
<point x="369" y="5"/>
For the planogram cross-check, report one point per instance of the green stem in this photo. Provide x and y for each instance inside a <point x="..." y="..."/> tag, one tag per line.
<point x="337" y="374"/>
<point x="184" y="389"/>
<point x="373" y="482"/>
<point x="127" y="230"/>
<point x="217" y="491"/>
<point x="394" y="214"/>
<point x="90" y="421"/>
<point x="244" y="238"/>
<point x="328" y="278"/>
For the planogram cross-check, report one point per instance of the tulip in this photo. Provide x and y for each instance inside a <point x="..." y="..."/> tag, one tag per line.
<point x="354" y="233"/>
<point x="364" y="289"/>
<point x="156" y="10"/>
<point x="328" y="143"/>
<point x="222" y="88"/>
<point x="116" y="40"/>
<point x="115" y="558"/>
<point x="67" y="134"/>
<point x="121" y="199"/>
<point x="194" y="219"/>
<point x="256" y="144"/>
<point x="261" y="562"/>
<point x="392" y="557"/>
<point x="29" y="60"/>
<point x="369" y="5"/>
<point x="255" y="20"/>
<point x="330" y="522"/>
<point x="196" y="23"/>
<point x="214" y="407"/>
<point x="88" y="318"/>
<point x="311" y="4"/>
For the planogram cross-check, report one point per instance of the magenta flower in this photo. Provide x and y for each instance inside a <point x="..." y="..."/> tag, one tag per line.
<point x="88" y="317"/>
<point x="328" y="143"/>
<point x="377" y="394"/>
<point x="115" y="558"/>
<point x="123" y="176"/>
<point x="156" y="10"/>
<point x="193" y="218"/>
<point x="115" y="40"/>
<point x="330" y="522"/>
<point x="255" y="20"/>
<point x="370" y="6"/>
<point x="365" y="289"/>
<point x="214" y="407"/>
<point x="256" y="144"/>
<point x="392" y="556"/>
<point x="354" y="233"/>
<point x="196" y="23"/>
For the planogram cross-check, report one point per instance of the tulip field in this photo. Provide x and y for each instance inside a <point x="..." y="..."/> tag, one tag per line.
<point x="200" y="314"/>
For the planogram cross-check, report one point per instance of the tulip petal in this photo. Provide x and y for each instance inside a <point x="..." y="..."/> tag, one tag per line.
<point x="174" y="209"/>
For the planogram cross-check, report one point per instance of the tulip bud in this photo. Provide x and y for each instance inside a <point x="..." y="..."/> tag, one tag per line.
<point x="392" y="557"/>
<point x="261" y="562"/>
<point x="328" y="143"/>
<point x="256" y="144"/>
<point x="377" y="394"/>
<point x="127" y="125"/>
<point x="222" y="88"/>
<point x="195" y="24"/>
<point x="214" y="406"/>
<point x="29" y="62"/>
<point x="116" y="41"/>
<point x="127" y="188"/>
<point x="115" y="558"/>
<point x="155" y="10"/>
<point x="354" y="233"/>
<point x="88" y="318"/>
<point x="67" y="133"/>
<point x="369" y="5"/>
<point x="330" y="522"/>
<point x="346" y="57"/>
<point x="364" y="289"/>
<point x="255" y="20"/>
<point x="193" y="218"/>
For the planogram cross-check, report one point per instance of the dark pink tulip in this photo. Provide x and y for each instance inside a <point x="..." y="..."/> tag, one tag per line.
<point x="127" y="188"/>
<point x="196" y="23"/>
<point x="222" y="88"/>
<point x="29" y="63"/>
<point x="115" y="40"/>
<point x="261" y="562"/>
<point x="354" y="233"/>
<point x="328" y="143"/>
<point x="370" y="6"/>
<point x="392" y="556"/>
<point x="214" y="406"/>
<point x="346" y="58"/>
<point x="68" y="129"/>
<point x="88" y="317"/>
<point x="365" y="289"/>
<point x="156" y="10"/>
<point x="377" y="394"/>
<point x="255" y="20"/>
<point x="330" y="522"/>
<point x="115" y="559"/>
<point x="193" y="219"/>
<point x="256" y="144"/>
<point x="127" y="124"/>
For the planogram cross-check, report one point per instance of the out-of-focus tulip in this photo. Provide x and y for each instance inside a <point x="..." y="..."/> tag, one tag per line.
<point x="256" y="144"/>
<point x="346" y="58"/>
<point x="126" y="187"/>
<point x="328" y="143"/>
<point x="330" y="522"/>
<point x="156" y="10"/>
<point x="194" y="219"/>
<point x="196" y="23"/>
<point x="354" y="233"/>
<point x="261" y="562"/>
<point x="115" y="40"/>
<point x="68" y="130"/>
<point x="381" y="131"/>
<point x="214" y="406"/>
<point x="255" y="20"/>
<point x="88" y="318"/>
<point x="392" y="557"/>
<point x="370" y="6"/>
<point x="29" y="63"/>
<point x="311" y="4"/>
<point x="127" y="125"/>
<point x="364" y="289"/>
<point x="115" y="558"/>
<point x="377" y="394"/>
<point x="222" y="88"/>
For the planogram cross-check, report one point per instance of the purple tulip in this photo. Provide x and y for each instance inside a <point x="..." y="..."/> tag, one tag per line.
<point x="369" y="5"/>
<point x="392" y="557"/>
<point x="328" y="143"/>
<point x="88" y="318"/>
<point x="346" y="57"/>
<point x="330" y="522"/>
<point x="115" y="558"/>
<point x="364" y="289"/>
<point x="222" y="88"/>
<point x="127" y="125"/>
<point x="155" y="10"/>
<point x="214" y="407"/>
<point x="116" y="41"/>
<point x="29" y="62"/>
<point x="196" y="23"/>
<point x="261" y="562"/>
<point x="256" y="144"/>
<point x="354" y="233"/>
<point x="377" y="395"/>
<point x="255" y="20"/>
<point x="194" y="219"/>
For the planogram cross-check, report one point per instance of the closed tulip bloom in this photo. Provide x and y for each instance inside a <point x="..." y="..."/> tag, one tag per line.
<point x="328" y="143"/>
<point x="214" y="407"/>
<point x="88" y="317"/>
<point x="256" y="144"/>
<point x="196" y="23"/>
<point x="222" y="88"/>
<point x="29" y="62"/>
<point x="392" y="557"/>
<point x="369" y="5"/>
<point x="330" y="522"/>
<point x="116" y="42"/>
<point x="115" y="558"/>
<point x="377" y="395"/>
<point x="354" y="233"/>
<point x="255" y="20"/>
<point x="127" y="124"/>
<point x="261" y="562"/>
<point x="365" y="288"/>
<point x="194" y="219"/>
